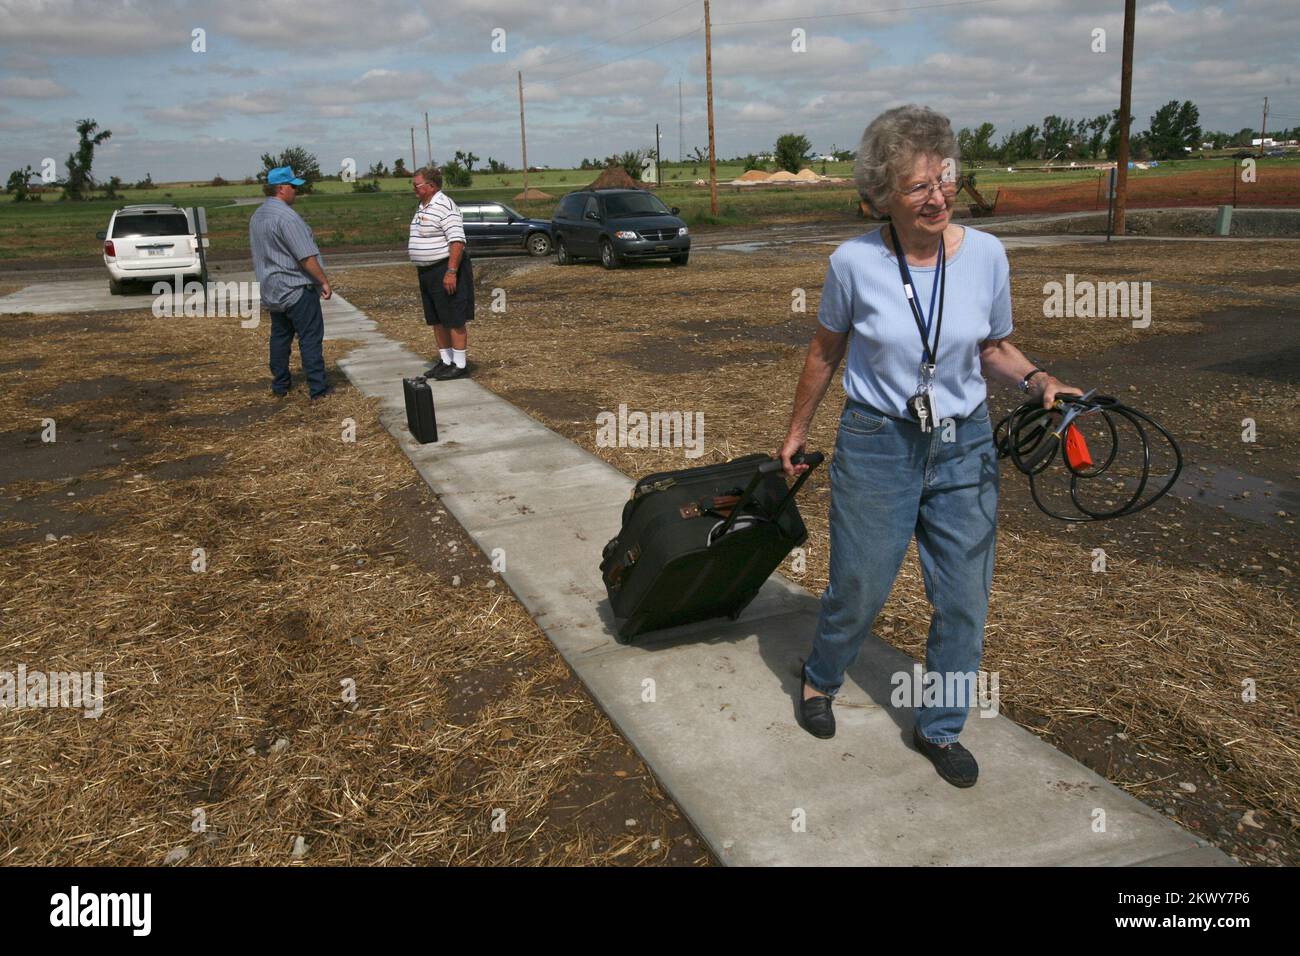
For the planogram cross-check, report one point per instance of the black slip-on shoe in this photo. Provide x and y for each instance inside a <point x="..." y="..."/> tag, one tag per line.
<point x="815" y="714"/>
<point x="450" y="372"/>
<point x="954" y="762"/>
<point x="433" y="370"/>
<point x="320" y="396"/>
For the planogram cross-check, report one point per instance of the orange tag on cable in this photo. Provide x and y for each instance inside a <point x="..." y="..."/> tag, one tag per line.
<point x="1076" y="449"/>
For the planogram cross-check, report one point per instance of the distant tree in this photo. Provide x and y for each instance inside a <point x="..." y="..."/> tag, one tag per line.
<point x="631" y="161"/>
<point x="1112" y="135"/>
<point x="305" y="166"/>
<point x="218" y="181"/>
<point x="1057" y="133"/>
<point x="377" y="169"/>
<point x="399" y="168"/>
<point x="1093" y="133"/>
<point x="700" y="154"/>
<point x="79" y="180"/>
<point x="495" y="166"/>
<point x="972" y="144"/>
<point x="467" y="160"/>
<point x="456" y="176"/>
<point x="17" y="185"/>
<point x="146" y="183"/>
<point x="1175" y="126"/>
<point x="791" y="151"/>
<point x="751" y="162"/>
<point x="111" y="190"/>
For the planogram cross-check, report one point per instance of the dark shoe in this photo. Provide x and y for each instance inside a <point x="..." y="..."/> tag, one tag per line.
<point x="816" y="713"/>
<point x="954" y="762"/>
<point x="279" y="394"/>
<point x="325" y="394"/>
<point x="450" y="372"/>
<point x="434" y="370"/>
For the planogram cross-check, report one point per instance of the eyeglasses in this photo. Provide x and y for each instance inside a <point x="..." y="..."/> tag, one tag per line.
<point x="920" y="192"/>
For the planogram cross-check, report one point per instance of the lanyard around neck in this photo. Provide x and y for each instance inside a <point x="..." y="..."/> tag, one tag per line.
<point x="928" y="354"/>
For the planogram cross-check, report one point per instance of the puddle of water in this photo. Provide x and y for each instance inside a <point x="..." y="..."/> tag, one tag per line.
<point x="742" y="246"/>
<point x="1241" y="495"/>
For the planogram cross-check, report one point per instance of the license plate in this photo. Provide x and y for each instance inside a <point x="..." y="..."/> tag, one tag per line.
<point x="661" y="248"/>
<point x="156" y="252"/>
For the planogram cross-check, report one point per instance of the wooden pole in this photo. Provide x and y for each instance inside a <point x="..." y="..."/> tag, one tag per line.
<point x="428" y="143"/>
<point x="414" y="166"/>
<point x="708" y="73"/>
<point x="1125" y="110"/>
<point x="1262" y="124"/>
<point x="523" y="139"/>
<point x="659" y="175"/>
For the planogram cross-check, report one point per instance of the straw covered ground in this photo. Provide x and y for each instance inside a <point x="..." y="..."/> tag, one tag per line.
<point x="338" y="678"/>
<point x="1138" y="671"/>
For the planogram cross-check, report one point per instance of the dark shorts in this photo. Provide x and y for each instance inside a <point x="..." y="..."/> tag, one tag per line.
<point x="451" y="311"/>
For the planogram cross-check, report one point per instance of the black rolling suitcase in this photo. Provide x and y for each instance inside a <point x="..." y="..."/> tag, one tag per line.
<point x="700" y="543"/>
<point x="419" y="409"/>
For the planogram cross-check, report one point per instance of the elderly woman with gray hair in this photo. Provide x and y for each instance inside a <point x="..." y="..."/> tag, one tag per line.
<point x="923" y="308"/>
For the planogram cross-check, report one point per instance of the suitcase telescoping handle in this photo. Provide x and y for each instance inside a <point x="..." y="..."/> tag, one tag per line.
<point x="767" y="468"/>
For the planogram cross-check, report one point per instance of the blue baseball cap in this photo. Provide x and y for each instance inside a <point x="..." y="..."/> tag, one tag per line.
<point x="284" y="174"/>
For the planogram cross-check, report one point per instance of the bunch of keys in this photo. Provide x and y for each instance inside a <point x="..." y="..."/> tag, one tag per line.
<point x="921" y="405"/>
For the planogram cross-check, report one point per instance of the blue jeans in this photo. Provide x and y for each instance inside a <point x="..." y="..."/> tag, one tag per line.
<point x="888" y="482"/>
<point x="304" y="319"/>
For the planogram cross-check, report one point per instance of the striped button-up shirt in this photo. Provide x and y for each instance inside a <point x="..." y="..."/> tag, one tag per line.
<point x="435" y="226"/>
<point x="280" y="240"/>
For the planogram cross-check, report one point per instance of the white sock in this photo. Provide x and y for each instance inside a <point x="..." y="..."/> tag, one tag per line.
<point x="446" y="355"/>
<point x="459" y="356"/>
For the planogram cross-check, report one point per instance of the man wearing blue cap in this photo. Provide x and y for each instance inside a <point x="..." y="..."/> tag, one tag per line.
<point x="287" y="263"/>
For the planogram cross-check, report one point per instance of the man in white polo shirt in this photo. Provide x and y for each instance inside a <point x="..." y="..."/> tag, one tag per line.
<point x="437" y="247"/>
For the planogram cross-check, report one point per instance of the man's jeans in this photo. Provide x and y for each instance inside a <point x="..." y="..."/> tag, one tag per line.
<point x="889" y="481"/>
<point x="304" y="319"/>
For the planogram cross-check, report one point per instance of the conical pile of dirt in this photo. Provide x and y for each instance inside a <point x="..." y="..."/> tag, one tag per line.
<point x="752" y="176"/>
<point x="533" y="194"/>
<point x="807" y="175"/>
<point x="615" y="177"/>
<point x="782" y="176"/>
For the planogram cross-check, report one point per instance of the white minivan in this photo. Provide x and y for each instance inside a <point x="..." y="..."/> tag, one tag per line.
<point x="149" y="243"/>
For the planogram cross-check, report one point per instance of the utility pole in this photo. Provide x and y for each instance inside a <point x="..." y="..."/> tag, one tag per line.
<point x="523" y="140"/>
<point x="708" y="73"/>
<point x="1125" y="110"/>
<point x="659" y="175"/>
<point x="1262" y="125"/>
<point x="414" y="165"/>
<point x="428" y="143"/>
<point x="681" y="142"/>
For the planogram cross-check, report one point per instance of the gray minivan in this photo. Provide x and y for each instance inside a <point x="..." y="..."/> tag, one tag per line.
<point x="618" y="226"/>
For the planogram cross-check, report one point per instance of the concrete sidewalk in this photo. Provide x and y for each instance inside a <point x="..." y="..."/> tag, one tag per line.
<point x="719" y="729"/>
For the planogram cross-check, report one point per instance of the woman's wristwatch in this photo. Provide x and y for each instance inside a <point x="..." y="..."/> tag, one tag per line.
<point x="1024" y="382"/>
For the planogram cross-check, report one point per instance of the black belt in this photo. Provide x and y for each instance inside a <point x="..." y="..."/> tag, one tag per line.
<point x="426" y="266"/>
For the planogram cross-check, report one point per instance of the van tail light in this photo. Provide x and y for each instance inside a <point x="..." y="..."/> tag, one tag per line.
<point x="109" y="250"/>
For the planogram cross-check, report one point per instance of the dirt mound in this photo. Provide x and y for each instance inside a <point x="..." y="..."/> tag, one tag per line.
<point x="615" y="177"/>
<point x="753" y="176"/>
<point x="782" y="176"/>
<point x="533" y="194"/>
<point x="807" y="175"/>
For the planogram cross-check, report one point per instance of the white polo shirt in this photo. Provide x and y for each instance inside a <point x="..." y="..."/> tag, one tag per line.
<point x="435" y="226"/>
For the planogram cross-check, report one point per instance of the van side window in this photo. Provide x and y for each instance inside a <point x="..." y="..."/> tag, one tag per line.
<point x="590" y="207"/>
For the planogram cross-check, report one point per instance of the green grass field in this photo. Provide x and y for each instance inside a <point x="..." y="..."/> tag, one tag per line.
<point x="55" y="230"/>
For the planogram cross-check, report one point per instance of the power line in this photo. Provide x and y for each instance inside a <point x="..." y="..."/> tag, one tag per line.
<point x="860" y="13"/>
<point x="570" y="56"/>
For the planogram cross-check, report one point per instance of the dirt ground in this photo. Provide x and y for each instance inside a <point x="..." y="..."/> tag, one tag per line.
<point x="1271" y="186"/>
<point x="344" y="667"/>
<point x="1137" y="671"/>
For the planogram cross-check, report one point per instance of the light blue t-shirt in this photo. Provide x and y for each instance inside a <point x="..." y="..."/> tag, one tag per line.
<point x="863" y="293"/>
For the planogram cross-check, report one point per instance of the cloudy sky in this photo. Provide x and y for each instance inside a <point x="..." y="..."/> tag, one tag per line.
<point x="347" y="79"/>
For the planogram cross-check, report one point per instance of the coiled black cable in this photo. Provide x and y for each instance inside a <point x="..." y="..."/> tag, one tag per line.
<point x="1032" y="436"/>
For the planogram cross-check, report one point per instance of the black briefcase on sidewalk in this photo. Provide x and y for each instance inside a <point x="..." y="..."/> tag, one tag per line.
<point x="699" y="543"/>
<point x="419" y="409"/>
